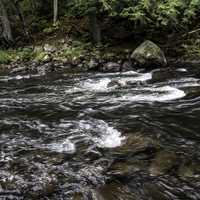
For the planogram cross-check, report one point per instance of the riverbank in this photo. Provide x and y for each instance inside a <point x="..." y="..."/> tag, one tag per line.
<point x="58" y="53"/>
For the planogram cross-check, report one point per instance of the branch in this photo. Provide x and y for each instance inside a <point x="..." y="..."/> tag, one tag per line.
<point x="191" y="32"/>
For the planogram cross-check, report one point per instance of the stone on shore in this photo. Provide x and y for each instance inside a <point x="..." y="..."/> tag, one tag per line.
<point x="148" y="54"/>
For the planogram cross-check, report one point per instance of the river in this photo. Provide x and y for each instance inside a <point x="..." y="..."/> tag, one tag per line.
<point x="100" y="136"/>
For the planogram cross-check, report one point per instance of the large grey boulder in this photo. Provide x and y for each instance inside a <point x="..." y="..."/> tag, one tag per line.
<point x="148" y="54"/>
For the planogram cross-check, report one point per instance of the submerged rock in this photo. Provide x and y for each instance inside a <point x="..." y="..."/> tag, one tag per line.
<point x="116" y="191"/>
<point x="133" y="156"/>
<point x="115" y="84"/>
<point x="137" y="144"/>
<point x="163" y="163"/>
<point x="149" y="54"/>
<point x="127" y="66"/>
<point x="189" y="168"/>
<point x="42" y="189"/>
<point x="122" y="169"/>
<point x="154" y="191"/>
<point x="93" y="64"/>
<point x="95" y="195"/>
<point x="186" y="170"/>
<point x="20" y="69"/>
<point x="111" y="67"/>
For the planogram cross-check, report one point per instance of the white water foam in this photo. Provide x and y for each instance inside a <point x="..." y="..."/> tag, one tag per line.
<point x="65" y="146"/>
<point x="140" y="77"/>
<point x="171" y="91"/>
<point x="18" y="77"/>
<point x="108" y="137"/>
<point x="114" y="74"/>
<point x="99" y="82"/>
<point x="181" y="70"/>
<point x="185" y="82"/>
<point x="159" y="94"/>
<point x="187" y="85"/>
<point x="101" y="85"/>
<point x="73" y="90"/>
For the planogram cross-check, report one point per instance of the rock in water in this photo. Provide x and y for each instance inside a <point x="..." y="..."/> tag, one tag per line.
<point x="163" y="163"/>
<point x="149" y="54"/>
<point x="115" y="84"/>
<point x="93" y="64"/>
<point x="111" y="67"/>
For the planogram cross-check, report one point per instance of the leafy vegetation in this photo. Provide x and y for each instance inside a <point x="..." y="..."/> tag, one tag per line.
<point x="161" y="14"/>
<point x="192" y="48"/>
<point x="20" y="54"/>
<point x="24" y="20"/>
<point x="168" y="14"/>
<point x="4" y="57"/>
<point x="75" y="50"/>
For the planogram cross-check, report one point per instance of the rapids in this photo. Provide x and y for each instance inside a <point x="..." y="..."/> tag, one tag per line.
<point x="116" y="136"/>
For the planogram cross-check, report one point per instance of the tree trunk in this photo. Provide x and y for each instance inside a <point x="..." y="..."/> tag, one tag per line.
<point x="21" y="17"/>
<point x="7" y="32"/>
<point x="94" y="27"/>
<point x="55" y="11"/>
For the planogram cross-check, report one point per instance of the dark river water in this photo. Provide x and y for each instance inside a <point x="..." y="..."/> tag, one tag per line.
<point x="116" y="136"/>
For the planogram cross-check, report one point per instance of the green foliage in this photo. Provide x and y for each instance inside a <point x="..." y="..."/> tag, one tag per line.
<point x="24" y="54"/>
<point x="168" y="13"/>
<point x="192" y="48"/>
<point x="4" y="57"/>
<point x="76" y="50"/>
<point x="192" y="10"/>
<point x="162" y="14"/>
<point x="39" y="55"/>
<point x="52" y="28"/>
<point x="84" y="7"/>
<point x="20" y="54"/>
<point x="72" y="53"/>
<point x="152" y="13"/>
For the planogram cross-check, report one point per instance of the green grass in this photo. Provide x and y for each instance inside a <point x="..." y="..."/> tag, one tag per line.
<point x="20" y="54"/>
<point x="23" y="54"/>
<point x="5" y="57"/>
